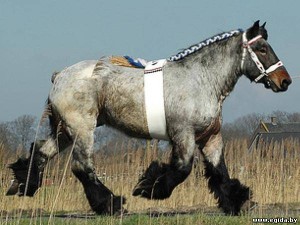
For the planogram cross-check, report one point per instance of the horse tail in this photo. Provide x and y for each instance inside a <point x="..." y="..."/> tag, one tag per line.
<point x="57" y="124"/>
<point x="54" y="75"/>
<point x="53" y="117"/>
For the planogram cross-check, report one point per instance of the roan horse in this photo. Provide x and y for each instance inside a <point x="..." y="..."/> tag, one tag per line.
<point x="196" y="81"/>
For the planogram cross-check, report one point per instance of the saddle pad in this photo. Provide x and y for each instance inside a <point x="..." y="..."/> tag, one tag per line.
<point x="137" y="63"/>
<point x="154" y="99"/>
<point x="128" y="61"/>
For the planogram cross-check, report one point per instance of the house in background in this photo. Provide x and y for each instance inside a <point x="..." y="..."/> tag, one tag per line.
<point x="274" y="131"/>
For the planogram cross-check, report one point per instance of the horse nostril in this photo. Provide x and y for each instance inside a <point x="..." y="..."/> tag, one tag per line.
<point x="285" y="83"/>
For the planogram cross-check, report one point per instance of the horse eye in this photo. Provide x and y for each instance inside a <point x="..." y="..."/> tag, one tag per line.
<point x="263" y="50"/>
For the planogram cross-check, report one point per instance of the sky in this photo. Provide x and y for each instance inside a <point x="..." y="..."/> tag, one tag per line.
<point x="38" y="38"/>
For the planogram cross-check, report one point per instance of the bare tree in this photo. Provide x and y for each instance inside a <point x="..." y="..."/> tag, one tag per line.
<point x="294" y="117"/>
<point x="7" y="138"/>
<point x="281" y="116"/>
<point x="24" y="129"/>
<point x="242" y="127"/>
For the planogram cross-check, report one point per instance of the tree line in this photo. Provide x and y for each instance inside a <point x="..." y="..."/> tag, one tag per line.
<point x="19" y="133"/>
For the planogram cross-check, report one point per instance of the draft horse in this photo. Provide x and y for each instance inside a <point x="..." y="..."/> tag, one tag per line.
<point x="196" y="81"/>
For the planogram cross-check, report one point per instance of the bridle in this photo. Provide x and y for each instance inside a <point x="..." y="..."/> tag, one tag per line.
<point x="247" y="46"/>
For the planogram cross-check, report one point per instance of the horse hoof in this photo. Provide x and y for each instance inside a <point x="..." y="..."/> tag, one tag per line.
<point x="17" y="188"/>
<point x="140" y="191"/>
<point x="145" y="189"/>
<point x="13" y="188"/>
<point x="118" y="202"/>
<point x="20" y="173"/>
<point x="158" y="190"/>
<point x="154" y="182"/>
<point x="112" y="206"/>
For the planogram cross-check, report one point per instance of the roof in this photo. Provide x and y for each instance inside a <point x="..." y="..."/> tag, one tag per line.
<point x="278" y="128"/>
<point x="275" y="132"/>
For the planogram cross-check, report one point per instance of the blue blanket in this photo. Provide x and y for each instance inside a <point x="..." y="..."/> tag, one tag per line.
<point x="135" y="62"/>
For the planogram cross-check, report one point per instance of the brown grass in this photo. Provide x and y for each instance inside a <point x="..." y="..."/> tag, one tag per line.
<point x="272" y="172"/>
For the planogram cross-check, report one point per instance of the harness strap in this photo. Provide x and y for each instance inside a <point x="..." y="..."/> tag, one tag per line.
<point x="274" y="67"/>
<point x="154" y="99"/>
<point x="269" y="70"/>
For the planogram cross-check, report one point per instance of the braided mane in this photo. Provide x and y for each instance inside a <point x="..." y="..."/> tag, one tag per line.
<point x="194" y="48"/>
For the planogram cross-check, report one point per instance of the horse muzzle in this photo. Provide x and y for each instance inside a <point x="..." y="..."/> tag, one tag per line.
<point x="278" y="80"/>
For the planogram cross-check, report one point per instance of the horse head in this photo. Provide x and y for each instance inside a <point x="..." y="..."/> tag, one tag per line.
<point x="259" y="61"/>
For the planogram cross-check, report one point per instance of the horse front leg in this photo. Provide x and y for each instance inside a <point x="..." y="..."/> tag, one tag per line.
<point x="230" y="193"/>
<point x="100" y="198"/>
<point x="160" y="179"/>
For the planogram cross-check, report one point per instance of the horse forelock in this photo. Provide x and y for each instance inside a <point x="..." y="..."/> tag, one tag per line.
<point x="207" y="42"/>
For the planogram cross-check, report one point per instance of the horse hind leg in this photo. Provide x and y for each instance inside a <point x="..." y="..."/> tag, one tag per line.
<point x="160" y="179"/>
<point x="25" y="168"/>
<point x="230" y="193"/>
<point x="100" y="198"/>
<point x="28" y="172"/>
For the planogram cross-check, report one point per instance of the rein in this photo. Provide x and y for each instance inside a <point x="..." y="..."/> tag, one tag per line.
<point x="247" y="46"/>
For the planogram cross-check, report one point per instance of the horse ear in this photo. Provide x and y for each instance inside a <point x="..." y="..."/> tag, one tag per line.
<point x="253" y="31"/>
<point x="256" y="23"/>
<point x="263" y="31"/>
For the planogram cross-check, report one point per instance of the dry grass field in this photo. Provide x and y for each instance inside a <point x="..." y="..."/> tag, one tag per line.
<point x="272" y="171"/>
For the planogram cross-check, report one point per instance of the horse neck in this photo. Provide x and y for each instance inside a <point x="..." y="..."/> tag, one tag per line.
<point x="216" y="67"/>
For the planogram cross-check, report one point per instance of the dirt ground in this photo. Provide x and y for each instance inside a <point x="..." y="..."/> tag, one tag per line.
<point x="270" y="210"/>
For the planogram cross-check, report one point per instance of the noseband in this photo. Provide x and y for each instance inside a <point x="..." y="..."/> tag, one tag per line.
<point x="247" y="46"/>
